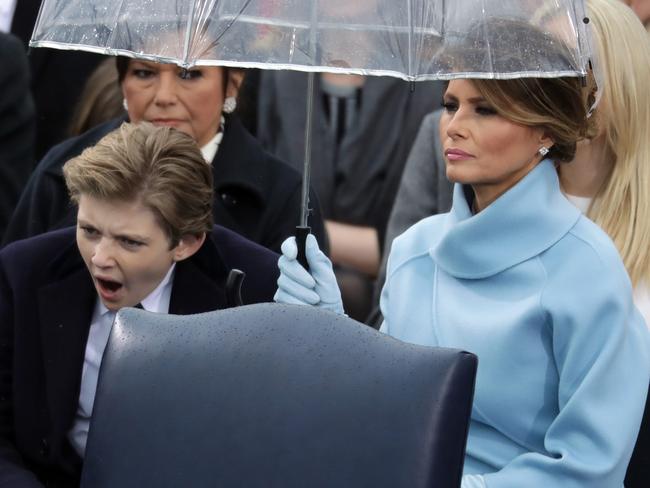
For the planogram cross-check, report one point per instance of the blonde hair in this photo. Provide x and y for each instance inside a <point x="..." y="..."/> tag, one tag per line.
<point x="622" y="206"/>
<point x="159" y="166"/>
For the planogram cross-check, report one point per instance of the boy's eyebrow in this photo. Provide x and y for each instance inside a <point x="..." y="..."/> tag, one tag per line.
<point x="132" y="237"/>
<point x="81" y="221"/>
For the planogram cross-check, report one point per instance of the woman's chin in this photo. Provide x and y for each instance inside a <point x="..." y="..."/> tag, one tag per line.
<point x="457" y="175"/>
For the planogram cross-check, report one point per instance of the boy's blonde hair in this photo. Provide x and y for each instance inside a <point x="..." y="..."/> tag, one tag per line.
<point x="159" y="166"/>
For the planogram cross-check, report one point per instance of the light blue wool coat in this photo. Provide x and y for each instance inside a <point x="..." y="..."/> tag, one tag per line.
<point x="541" y="295"/>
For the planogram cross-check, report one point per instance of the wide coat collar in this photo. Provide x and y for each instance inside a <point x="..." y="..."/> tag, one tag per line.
<point x="238" y="163"/>
<point x="65" y="306"/>
<point x="523" y="222"/>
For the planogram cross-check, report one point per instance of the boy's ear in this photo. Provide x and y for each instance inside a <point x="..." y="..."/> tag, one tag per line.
<point x="188" y="245"/>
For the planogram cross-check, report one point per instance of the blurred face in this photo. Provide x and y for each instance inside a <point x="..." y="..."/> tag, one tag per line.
<point x="482" y="148"/>
<point x="159" y="93"/>
<point x="641" y="9"/>
<point x="125" y="249"/>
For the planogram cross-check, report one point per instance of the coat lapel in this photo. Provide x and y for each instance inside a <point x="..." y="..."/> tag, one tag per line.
<point x="199" y="282"/>
<point x="65" y="309"/>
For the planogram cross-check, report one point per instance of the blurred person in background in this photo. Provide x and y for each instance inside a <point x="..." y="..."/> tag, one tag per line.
<point x="609" y="179"/>
<point x="17" y="125"/>
<point x="56" y="76"/>
<point x="100" y="101"/>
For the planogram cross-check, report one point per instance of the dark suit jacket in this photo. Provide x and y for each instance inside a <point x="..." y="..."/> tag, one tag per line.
<point x="256" y="195"/>
<point x="57" y="79"/>
<point x="16" y="125"/>
<point x="46" y="303"/>
<point x="356" y="174"/>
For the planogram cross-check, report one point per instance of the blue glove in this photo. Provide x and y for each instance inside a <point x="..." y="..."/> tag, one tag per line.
<point x="298" y="286"/>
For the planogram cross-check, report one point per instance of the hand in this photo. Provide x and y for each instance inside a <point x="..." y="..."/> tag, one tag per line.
<point x="298" y="286"/>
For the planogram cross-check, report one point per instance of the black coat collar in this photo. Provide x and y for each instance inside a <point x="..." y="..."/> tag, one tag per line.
<point x="199" y="282"/>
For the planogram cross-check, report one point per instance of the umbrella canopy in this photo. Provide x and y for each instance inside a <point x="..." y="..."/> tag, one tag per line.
<point x="410" y="39"/>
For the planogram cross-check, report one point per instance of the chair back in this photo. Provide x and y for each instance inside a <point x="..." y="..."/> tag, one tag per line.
<point x="273" y="395"/>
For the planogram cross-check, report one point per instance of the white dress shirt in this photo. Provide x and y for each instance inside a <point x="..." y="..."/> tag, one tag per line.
<point x="100" y="329"/>
<point x="7" y="9"/>
<point x="209" y="151"/>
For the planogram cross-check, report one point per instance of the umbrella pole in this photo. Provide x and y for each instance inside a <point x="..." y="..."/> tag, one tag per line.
<point x="303" y="229"/>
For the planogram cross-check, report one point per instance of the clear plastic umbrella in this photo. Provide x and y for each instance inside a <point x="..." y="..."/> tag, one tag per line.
<point x="402" y="38"/>
<point x="409" y="39"/>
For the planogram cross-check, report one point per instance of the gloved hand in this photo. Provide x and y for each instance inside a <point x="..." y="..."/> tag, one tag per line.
<point x="298" y="286"/>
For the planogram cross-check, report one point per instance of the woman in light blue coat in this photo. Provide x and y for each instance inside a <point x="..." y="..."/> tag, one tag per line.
<point x="515" y="274"/>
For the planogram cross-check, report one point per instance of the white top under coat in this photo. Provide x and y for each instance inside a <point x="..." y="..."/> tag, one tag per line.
<point x="209" y="151"/>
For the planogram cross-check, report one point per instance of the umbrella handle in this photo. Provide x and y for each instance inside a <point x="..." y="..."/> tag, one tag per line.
<point x="302" y="231"/>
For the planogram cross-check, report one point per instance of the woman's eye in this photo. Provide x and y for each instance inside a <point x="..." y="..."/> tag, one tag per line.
<point x="449" y="106"/>
<point x="485" y="111"/>
<point x="190" y="74"/>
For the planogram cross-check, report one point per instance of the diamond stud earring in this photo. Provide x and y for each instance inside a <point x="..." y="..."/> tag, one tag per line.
<point x="229" y="105"/>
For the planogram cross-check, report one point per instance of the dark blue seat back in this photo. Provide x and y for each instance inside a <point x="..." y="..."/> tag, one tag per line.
<point x="273" y="395"/>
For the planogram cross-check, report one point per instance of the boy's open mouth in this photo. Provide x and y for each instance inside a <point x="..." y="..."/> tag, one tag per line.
<point x="109" y="285"/>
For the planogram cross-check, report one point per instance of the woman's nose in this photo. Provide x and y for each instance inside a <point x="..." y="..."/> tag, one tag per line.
<point x="166" y="90"/>
<point x="103" y="254"/>
<point x="456" y="126"/>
